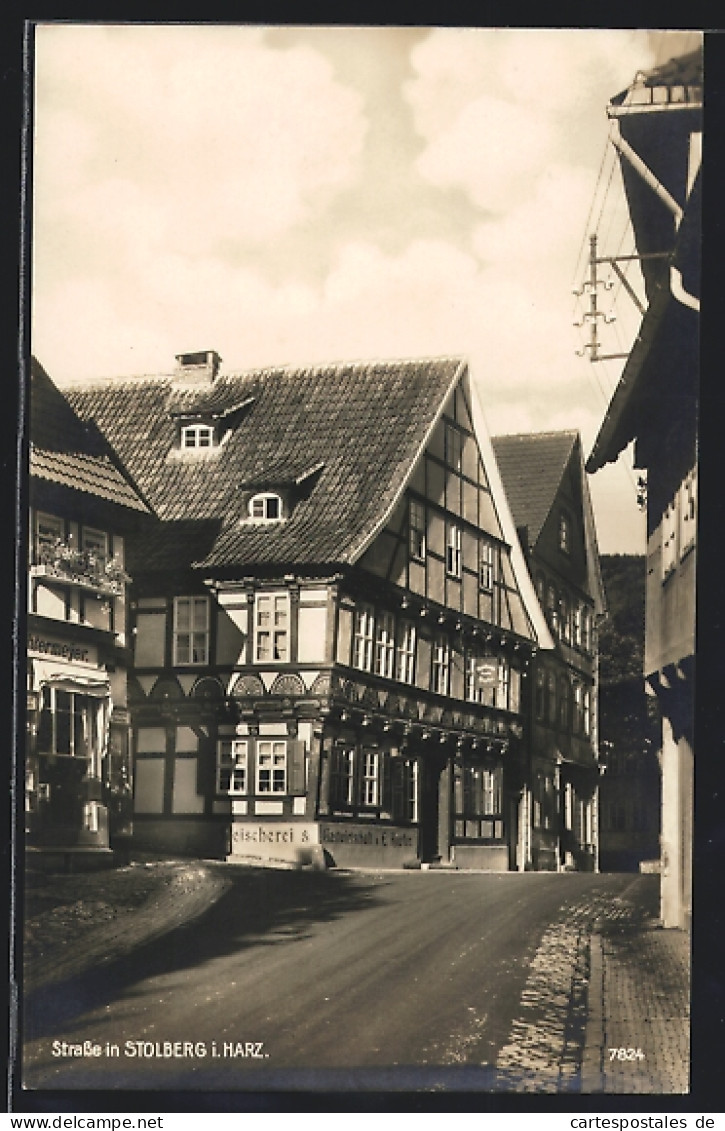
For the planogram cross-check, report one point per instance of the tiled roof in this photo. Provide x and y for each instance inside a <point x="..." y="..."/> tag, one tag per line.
<point x="66" y="452"/>
<point x="363" y="422"/>
<point x="531" y="466"/>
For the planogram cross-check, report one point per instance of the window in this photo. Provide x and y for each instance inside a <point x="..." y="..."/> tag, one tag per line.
<point x="197" y="436"/>
<point x="564" y="533"/>
<point x="478" y="798"/>
<point x="453" y="447"/>
<point x="502" y="684"/>
<point x="578" y="721"/>
<point x="405" y="669"/>
<point x="552" y="608"/>
<point x="265" y="507"/>
<point x="441" y="665"/>
<point x="515" y="690"/>
<point x="95" y="542"/>
<point x="587" y="711"/>
<point x="272" y="766"/>
<point x="370" y="778"/>
<point x="540" y="694"/>
<point x="486" y="565"/>
<point x="564" y="620"/>
<point x="564" y="703"/>
<point x="69" y="725"/>
<point x="551" y="695"/>
<point x="586" y="630"/>
<point x="416" y="530"/>
<point x="385" y="645"/>
<point x="232" y="766"/>
<point x="453" y="550"/>
<point x="576" y="627"/>
<point x="342" y="780"/>
<point x="271" y="628"/>
<point x="362" y="638"/>
<point x="48" y="530"/>
<point x="191" y="630"/>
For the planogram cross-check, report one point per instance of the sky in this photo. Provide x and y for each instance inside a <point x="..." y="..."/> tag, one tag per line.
<point x="301" y="195"/>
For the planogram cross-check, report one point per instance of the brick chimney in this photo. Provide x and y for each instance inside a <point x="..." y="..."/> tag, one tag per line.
<point x="197" y="368"/>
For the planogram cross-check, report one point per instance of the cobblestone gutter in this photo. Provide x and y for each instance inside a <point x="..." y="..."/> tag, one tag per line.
<point x="602" y="978"/>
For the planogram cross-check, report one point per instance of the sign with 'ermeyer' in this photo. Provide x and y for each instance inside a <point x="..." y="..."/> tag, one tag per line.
<point x="64" y="650"/>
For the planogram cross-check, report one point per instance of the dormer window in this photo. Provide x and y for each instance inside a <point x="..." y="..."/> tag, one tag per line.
<point x="197" y="436"/>
<point x="265" y="507"/>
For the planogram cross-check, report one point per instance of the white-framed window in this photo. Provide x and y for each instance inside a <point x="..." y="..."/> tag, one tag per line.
<point x="191" y="631"/>
<point x="416" y="530"/>
<point x="232" y="766"/>
<point x="586" y="630"/>
<point x="441" y="665"/>
<point x="587" y="711"/>
<point x="486" y="570"/>
<point x="272" y="766"/>
<point x="453" y="549"/>
<point x="576" y="626"/>
<point x="502" y="683"/>
<point x="370" y="796"/>
<point x="552" y="608"/>
<point x="265" y="507"/>
<point x="405" y="660"/>
<point x="564" y="618"/>
<point x="564" y="533"/>
<point x="362" y="638"/>
<point x="578" y="720"/>
<point x="385" y="645"/>
<point x="271" y="628"/>
<point x="197" y="436"/>
<point x="49" y="529"/>
<point x="454" y="444"/>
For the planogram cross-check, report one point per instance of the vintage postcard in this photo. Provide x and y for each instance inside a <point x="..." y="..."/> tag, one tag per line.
<point x="360" y="630"/>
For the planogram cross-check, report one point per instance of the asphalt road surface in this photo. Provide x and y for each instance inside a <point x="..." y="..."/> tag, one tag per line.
<point x="330" y="981"/>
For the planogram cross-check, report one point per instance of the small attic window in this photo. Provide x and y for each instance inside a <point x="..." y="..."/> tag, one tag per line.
<point x="197" y="436"/>
<point x="265" y="507"/>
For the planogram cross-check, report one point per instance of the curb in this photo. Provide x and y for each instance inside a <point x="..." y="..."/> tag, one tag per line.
<point x="592" y="1076"/>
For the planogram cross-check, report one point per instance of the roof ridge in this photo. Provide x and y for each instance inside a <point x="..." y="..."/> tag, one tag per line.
<point x="529" y="435"/>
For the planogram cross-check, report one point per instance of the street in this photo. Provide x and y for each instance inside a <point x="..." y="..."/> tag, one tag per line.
<point x="340" y="980"/>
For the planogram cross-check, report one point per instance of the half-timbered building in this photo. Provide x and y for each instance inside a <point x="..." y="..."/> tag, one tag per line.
<point x="333" y="621"/>
<point x="547" y="489"/>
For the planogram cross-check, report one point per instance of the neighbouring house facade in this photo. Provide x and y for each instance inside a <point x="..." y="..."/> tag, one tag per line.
<point x="78" y="770"/>
<point x="333" y="624"/>
<point x="546" y="486"/>
<point x="659" y="138"/>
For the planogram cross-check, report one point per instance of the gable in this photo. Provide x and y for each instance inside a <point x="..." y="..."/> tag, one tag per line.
<point x="453" y="491"/>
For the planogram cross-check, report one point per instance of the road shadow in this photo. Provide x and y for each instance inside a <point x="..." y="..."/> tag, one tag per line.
<point x="261" y="907"/>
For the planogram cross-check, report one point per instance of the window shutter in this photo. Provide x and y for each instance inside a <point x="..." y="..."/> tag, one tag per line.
<point x="296" y="762"/>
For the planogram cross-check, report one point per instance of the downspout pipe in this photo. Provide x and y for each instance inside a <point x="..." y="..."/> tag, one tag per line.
<point x="676" y="287"/>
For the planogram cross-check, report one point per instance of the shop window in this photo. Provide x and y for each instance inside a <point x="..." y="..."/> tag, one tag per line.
<point x="271" y="627"/>
<point x="486" y="572"/>
<point x="272" y="766"/>
<point x="265" y="507"/>
<point x="405" y="662"/>
<point x="362" y="638"/>
<point x="478" y="800"/>
<point x="69" y="725"/>
<point x="416" y="531"/>
<point x="453" y="550"/>
<point x="441" y="665"/>
<point x="385" y="645"/>
<point x="191" y="631"/>
<point x="232" y="766"/>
